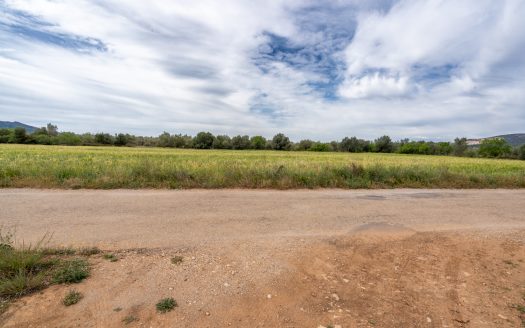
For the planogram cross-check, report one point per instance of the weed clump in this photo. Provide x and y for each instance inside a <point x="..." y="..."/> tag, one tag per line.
<point x="177" y="259"/>
<point x="71" y="271"/>
<point x="166" y="305"/>
<point x="72" y="297"/>
<point x="129" y="319"/>
<point x="111" y="257"/>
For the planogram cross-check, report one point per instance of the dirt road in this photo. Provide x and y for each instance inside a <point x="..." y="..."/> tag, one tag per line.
<point x="126" y="219"/>
<point x="370" y="258"/>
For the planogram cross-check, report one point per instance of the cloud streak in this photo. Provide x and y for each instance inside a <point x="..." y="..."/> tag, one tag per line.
<point x="422" y="69"/>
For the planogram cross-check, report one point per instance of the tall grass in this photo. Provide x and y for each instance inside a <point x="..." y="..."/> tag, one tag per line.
<point x="111" y="167"/>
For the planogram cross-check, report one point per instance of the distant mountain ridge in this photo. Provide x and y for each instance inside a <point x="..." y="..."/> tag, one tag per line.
<point x="515" y="139"/>
<point x="12" y="125"/>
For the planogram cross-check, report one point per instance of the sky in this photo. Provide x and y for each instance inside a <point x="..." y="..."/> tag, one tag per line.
<point x="418" y="69"/>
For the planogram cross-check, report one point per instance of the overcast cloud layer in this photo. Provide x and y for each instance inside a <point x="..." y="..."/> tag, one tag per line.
<point x="416" y="68"/>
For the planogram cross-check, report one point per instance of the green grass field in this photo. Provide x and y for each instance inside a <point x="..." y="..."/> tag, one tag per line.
<point x="112" y="167"/>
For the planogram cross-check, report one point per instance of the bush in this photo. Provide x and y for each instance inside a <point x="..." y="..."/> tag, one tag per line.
<point x="71" y="271"/>
<point x="166" y="305"/>
<point x="72" y="297"/>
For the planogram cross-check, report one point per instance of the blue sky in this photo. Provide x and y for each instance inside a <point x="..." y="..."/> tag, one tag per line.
<point x="431" y="69"/>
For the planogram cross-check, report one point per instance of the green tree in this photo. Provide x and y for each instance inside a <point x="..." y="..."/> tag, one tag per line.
<point x="281" y="142"/>
<point x="5" y="135"/>
<point x="203" y="140"/>
<point x="241" y="142"/>
<point x="384" y="145"/>
<point x="494" y="147"/>
<point x="522" y="152"/>
<point x="19" y="136"/>
<point x="320" y="146"/>
<point x="104" y="138"/>
<point x="52" y="130"/>
<point x="305" y="144"/>
<point x="166" y="140"/>
<point x="222" y="142"/>
<point x="258" y="142"/>
<point x="122" y="139"/>
<point x="460" y="147"/>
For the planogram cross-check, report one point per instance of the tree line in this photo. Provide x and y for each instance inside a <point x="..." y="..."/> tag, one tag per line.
<point x="49" y="135"/>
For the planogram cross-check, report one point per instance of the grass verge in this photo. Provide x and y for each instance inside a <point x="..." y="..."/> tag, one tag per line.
<point x="25" y="269"/>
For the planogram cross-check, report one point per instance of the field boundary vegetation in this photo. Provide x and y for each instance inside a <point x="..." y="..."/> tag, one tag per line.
<point x="49" y="135"/>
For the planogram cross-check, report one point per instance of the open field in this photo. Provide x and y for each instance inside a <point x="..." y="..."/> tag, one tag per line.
<point x="112" y="167"/>
<point x="254" y="258"/>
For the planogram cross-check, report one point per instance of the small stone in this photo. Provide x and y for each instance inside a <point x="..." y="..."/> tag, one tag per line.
<point x="226" y="284"/>
<point x="346" y="280"/>
<point x="269" y="296"/>
<point x="208" y="314"/>
<point x="429" y="320"/>
<point x="335" y="296"/>
<point x="338" y="326"/>
<point x="502" y="317"/>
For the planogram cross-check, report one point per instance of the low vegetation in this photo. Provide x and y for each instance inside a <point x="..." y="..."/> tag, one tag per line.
<point x="166" y="305"/>
<point x="72" y="297"/>
<point x="177" y="259"/>
<point x="112" y="167"/>
<point x="129" y="319"/>
<point x="24" y="269"/>
<point x="110" y="257"/>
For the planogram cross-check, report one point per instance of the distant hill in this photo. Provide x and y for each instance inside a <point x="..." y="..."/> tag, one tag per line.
<point x="516" y="139"/>
<point x="12" y="125"/>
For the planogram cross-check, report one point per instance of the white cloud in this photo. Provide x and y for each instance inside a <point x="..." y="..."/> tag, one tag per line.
<point x="435" y="68"/>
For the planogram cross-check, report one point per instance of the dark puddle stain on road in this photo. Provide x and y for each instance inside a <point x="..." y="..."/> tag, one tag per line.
<point x="380" y="227"/>
<point x="372" y="197"/>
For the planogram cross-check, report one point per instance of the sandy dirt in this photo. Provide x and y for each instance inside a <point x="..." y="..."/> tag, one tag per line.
<point x="374" y="258"/>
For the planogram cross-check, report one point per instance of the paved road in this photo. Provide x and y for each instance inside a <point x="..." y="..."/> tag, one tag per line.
<point x="160" y="218"/>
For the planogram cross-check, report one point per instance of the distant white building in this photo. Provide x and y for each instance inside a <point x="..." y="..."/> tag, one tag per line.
<point x="473" y="142"/>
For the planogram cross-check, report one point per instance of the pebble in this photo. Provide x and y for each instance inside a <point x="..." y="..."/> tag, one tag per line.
<point x="269" y="296"/>
<point x="335" y="297"/>
<point x="429" y="320"/>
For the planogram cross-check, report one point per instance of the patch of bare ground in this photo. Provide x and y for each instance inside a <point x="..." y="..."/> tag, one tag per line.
<point x="374" y="276"/>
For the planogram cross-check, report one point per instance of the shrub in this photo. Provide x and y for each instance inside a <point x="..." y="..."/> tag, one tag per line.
<point x="71" y="271"/>
<point x="177" y="259"/>
<point x="72" y="297"/>
<point x="166" y="305"/>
